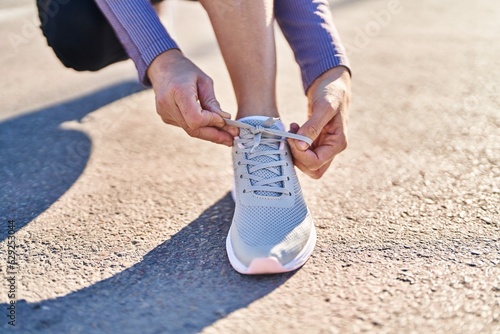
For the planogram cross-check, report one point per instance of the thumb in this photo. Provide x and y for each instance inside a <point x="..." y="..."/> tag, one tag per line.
<point x="207" y="97"/>
<point x="311" y="129"/>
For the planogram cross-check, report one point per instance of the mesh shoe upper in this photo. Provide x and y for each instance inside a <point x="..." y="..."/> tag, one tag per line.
<point x="271" y="218"/>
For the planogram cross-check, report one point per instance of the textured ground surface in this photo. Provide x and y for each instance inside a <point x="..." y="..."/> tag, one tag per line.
<point x="121" y="220"/>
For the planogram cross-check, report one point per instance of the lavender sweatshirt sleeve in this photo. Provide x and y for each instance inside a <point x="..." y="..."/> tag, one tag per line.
<point x="308" y="27"/>
<point x="306" y="24"/>
<point x="139" y="30"/>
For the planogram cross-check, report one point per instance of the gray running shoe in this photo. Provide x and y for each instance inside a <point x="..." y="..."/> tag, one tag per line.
<point x="272" y="230"/>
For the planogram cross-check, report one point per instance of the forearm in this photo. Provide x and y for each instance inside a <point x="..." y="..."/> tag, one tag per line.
<point x="308" y="27"/>
<point x="139" y="30"/>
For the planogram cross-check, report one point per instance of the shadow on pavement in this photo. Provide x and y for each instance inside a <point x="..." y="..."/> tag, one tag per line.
<point x="181" y="286"/>
<point x="39" y="160"/>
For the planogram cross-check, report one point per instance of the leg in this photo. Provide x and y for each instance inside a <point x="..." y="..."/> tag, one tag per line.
<point x="244" y="30"/>
<point x="79" y="34"/>
<point x="272" y="230"/>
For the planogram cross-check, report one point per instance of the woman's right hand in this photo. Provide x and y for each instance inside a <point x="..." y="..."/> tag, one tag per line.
<point x="185" y="97"/>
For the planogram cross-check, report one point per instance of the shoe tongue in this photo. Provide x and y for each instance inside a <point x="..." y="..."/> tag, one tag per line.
<point x="266" y="173"/>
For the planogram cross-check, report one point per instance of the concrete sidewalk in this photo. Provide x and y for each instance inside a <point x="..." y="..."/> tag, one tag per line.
<point x="121" y="220"/>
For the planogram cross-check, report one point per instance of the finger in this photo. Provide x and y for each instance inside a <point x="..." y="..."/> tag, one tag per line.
<point x="212" y="134"/>
<point x="195" y="117"/>
<point x="294" y="127"/>
<point x="209" y="102"/>
<point x="319" y="157"/>
<point x="232" y="130"/>
<point x="315" y="174"/>
<point x="169" y="112"/>
<point x="310" y="158"/>
<point x="314" y="126"/>
<point x="204" y="133"/>
<point x="207" y="97"/>
<point x="297" y="144"/>
<point x="210" y="118"/>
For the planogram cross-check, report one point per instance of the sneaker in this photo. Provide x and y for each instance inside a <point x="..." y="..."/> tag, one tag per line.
<point x="272" y="230"/>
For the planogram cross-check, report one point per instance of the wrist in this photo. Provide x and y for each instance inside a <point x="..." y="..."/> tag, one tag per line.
<point x="162" y="62"/>
<point x="338" y="74"/>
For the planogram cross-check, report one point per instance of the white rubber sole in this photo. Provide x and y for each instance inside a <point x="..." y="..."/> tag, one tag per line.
<point x="271" y="265"/>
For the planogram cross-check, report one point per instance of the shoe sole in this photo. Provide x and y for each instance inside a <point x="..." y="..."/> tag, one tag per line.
<point x="271" y="265"/>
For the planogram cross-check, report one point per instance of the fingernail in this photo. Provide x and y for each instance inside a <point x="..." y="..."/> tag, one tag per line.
<point x="302" y="145"/>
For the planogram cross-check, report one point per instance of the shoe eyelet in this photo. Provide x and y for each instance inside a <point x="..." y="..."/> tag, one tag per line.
<point x="241" y="176"/>
<point x="289" y="194"/>
<point x="286" y="164"/>
<point x="288" y="178"/>
<point x="239" y="163"/>
<point x="244" y="191"/>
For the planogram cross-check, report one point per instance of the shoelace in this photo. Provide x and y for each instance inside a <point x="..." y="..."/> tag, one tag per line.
<point x="264" y="135"/>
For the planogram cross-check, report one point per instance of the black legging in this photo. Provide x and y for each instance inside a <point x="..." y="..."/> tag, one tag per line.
<point x="79" y="34"/>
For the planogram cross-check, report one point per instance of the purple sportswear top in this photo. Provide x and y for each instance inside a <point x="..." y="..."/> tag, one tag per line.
<point x="306" y="24"/>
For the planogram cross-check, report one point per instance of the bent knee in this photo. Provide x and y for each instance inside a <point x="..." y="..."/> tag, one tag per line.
<point x="79" y="34"/>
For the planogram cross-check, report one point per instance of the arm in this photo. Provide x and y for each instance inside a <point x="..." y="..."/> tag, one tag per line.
<point x="184" y="94"/>
<point x="308" y="27"/>
<point x="140" y="31"/>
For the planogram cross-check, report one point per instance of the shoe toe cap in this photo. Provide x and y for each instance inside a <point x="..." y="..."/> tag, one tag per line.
<point x="281" y="248"/>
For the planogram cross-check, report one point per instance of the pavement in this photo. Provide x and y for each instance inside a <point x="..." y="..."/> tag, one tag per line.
<point x="120" y="220"/>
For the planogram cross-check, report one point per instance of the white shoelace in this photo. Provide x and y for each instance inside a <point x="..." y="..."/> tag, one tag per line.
<point x="264" y="135"/>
